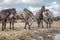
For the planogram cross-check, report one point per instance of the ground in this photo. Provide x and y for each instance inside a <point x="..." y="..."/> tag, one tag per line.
<point x="34" y="34"/>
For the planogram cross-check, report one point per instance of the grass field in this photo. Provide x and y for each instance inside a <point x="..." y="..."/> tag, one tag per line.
<point x="34" y="34"/>
<point x="21" y="25"/>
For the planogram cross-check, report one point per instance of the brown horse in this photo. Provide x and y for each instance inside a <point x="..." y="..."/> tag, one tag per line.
<point x="27" y="16"/>
<point x="48" y="17"/>
<point x="39" y="16"/>
<point x="4" y="15"/>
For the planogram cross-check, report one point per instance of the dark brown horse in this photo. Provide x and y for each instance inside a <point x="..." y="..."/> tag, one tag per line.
<point x="39" y="16"/>
<point x="27" y="16"/>
<point x="4" y="15"/>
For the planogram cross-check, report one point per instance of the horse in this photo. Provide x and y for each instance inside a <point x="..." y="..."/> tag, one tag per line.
<point x="4" y="14"/>
<point x="39" y="16"/>
<point x="27" y="16"/>
<point x="48" y="17"/>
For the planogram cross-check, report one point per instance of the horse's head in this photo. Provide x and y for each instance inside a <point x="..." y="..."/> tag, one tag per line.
<point x="13" y="10"/>
<point x="47" y="11"/>
<point x="43" y="8"/>
<point x="30" y="14"/>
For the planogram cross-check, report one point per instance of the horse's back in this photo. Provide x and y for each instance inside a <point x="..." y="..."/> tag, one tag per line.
<point x="8" y="11"/>
<point x="4" y="14"/>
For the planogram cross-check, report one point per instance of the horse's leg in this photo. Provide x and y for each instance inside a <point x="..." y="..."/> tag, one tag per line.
<point x="13" y="24"/>
<point x="25" y="25"/>
<point x="46" y="21"/>
<point x="29" y="26"/>
<point x="30" y="23"/>
<point x="26" y="22"/>
<point x="49" y="24"/>
<point x="42" y="23"/>
<point x="38" y="24"/>
<point x="3" y="25"/>
<point x="10" y="23"/>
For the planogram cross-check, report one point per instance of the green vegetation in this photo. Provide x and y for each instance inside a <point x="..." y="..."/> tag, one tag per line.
<point x="57" y="18"/>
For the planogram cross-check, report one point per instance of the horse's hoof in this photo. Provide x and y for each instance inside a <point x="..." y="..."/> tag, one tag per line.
<point x="49" y="27"/>
<point x="5" y="27"/>
<point x="38" y="27"/>
<point x="46" y="27"/>
<point x="29" y="28"/>
<point x="2" y="29"/>
<point x="42" y="27"/>
<point x="24" y="27"/>
<point x="10" y="28"/>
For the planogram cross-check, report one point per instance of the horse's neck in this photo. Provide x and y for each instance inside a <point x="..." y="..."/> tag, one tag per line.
<point x="50" y="14"/>
<point x="28" y="14"/>
<point x="46" y="14"/>
<point x="41" y="13"/>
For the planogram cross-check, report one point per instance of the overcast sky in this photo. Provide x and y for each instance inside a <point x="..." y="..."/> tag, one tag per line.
<point x="32" y="5"/>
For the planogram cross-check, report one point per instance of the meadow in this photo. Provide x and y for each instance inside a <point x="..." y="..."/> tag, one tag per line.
<point x="19" y="33"/>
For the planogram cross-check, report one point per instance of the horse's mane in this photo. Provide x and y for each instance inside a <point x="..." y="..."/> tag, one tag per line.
<point x="28" y="11"/>
<point x="8" y="9"/>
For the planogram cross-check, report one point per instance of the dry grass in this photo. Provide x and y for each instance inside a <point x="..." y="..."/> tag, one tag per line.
<point x="21" y="24"/>
<point x="24" y="34"/>
<point x="56" y="24"/>
<point x="15" y="35"/>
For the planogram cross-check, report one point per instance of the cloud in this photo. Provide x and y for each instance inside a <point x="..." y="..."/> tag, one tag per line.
<point x="5" y="2"/>
<point x="33" y="9"/>
<point x="54" y="7"/>
<point x="9" y="3"/>
<point x="29" y="1"/>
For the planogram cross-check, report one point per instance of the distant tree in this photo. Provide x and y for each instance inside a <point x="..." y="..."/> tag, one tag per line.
<point x="57" y="18"/>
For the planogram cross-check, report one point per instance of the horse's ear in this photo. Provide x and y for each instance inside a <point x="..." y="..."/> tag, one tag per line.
<point x="47" y="9"/>
<point x="43" y="6"/>
<point x="13" y="8"/>
<point x="25" y="9"/>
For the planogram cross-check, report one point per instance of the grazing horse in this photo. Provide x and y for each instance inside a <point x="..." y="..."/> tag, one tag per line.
<point x="27" y="16"/>
<point x="4" y="14"/>
<point x="48" y="17"/>
<point x="39" y="16"/>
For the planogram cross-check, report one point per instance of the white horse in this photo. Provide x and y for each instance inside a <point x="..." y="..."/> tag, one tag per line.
<point x="27" y="16"/>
